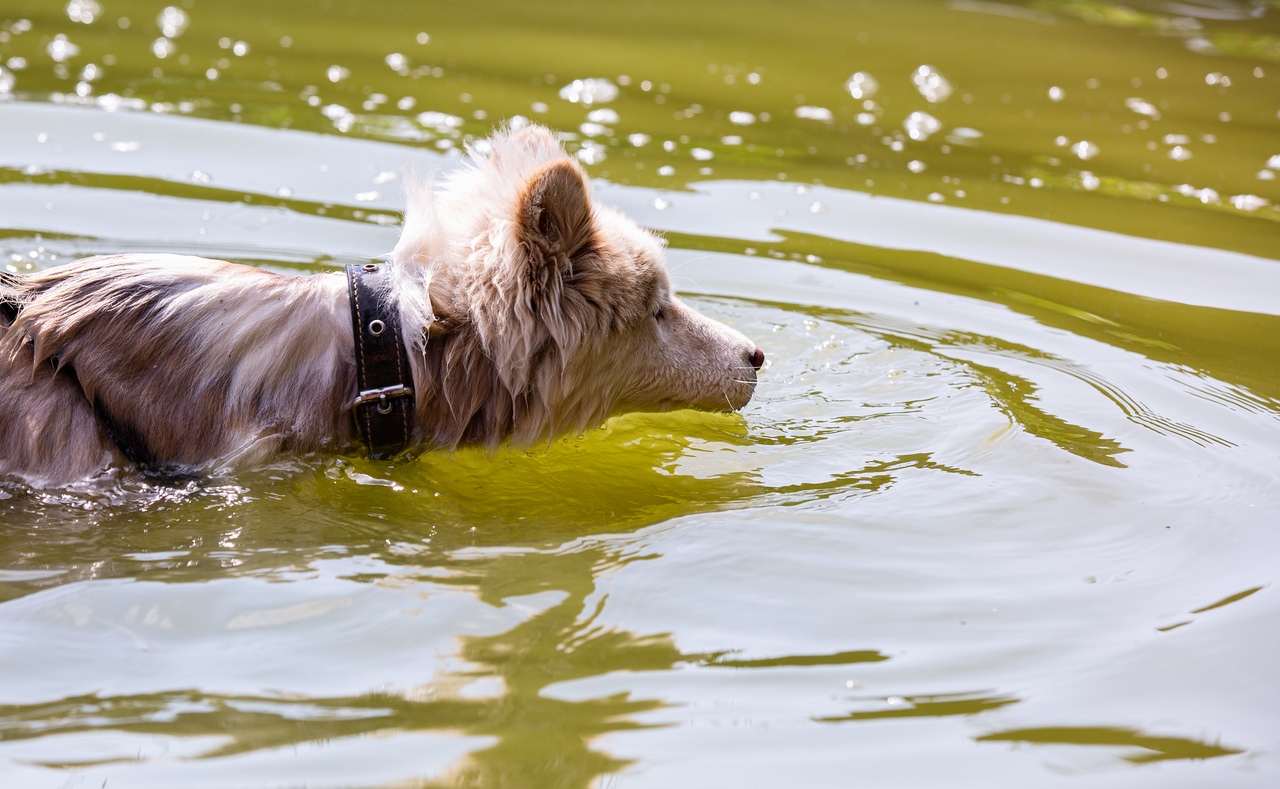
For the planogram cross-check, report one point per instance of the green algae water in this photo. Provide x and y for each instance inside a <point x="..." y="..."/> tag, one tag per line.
<point x="1003" y="511"/>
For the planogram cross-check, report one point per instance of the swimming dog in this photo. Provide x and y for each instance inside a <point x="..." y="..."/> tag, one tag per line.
<point x="524" y="309"/>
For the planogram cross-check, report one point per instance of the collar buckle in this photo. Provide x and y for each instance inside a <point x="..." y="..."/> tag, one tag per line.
<point x="382" y="397"/>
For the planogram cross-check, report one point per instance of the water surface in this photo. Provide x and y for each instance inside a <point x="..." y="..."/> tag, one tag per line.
<point x="1002" y="512"/>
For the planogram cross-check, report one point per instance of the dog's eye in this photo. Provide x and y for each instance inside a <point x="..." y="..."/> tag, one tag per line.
<point x="659" y="312"/>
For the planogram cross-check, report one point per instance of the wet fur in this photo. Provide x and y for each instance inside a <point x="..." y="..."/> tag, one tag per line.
<point x="530" y="311"/>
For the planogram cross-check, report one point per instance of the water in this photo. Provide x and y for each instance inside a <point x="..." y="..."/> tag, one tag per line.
<point x="1002" y="512"/>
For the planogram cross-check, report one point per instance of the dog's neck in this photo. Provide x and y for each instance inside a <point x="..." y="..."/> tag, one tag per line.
<point x="383" y="408"/>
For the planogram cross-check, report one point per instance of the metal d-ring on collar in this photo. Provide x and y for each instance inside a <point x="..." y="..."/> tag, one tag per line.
<point x="383" y="410"/>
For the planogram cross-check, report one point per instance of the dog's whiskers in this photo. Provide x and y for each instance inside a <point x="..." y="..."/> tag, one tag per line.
<point x="694" y="259"/>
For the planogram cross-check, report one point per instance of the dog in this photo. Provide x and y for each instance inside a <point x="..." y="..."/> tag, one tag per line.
<point x="526" y="310"/>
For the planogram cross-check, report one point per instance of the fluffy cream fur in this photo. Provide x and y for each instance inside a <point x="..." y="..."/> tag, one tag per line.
<point x="531" y="310"/>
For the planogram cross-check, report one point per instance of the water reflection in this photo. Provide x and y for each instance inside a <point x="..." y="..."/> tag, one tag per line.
<point x="538" y="741"/>
<point x="1142" y="748"/>
<point x="481" y="510"/>
<point x="494" y="688"/>
<point x="933" y="706"/>
<point x="615" y="480"/>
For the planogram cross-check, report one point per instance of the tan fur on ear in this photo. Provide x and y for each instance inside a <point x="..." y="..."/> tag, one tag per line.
<point x="554" y="215"/>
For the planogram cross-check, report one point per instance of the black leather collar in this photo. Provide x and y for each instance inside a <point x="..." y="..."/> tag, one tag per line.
<point x="383" y="410"/>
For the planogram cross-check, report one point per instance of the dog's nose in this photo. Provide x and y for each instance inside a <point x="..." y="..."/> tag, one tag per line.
<point x="756" y="358"/>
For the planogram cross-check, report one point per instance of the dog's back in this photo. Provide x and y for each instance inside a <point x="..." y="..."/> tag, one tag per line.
<point x="167" y="361"/>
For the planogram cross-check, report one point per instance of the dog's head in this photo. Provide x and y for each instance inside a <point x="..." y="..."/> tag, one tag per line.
<point x="569" y="299"/>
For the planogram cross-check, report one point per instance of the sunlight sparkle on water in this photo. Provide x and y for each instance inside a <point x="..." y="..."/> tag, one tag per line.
<point x="1249" y="202"/>
<point x="591" y="153"/>
<point x="590" y="91"/>
<point x="83" y="11"/>
<point x="932" y="85"/>
<point x="740" y="118"/>
<point x="862" y="85"/>
<point x="821" y="114"/>
<point x="172" y="21"/>
<point x="921" y="125"/>
<point x="397" y="63"/>
<point x="963" y="135"/>
<point x="61" y="49"/>
<point x="1143" y="107"/>
<point x="1206" y="195"/>
<point x="1085" y="150"/>
<point x="439" y="121"/>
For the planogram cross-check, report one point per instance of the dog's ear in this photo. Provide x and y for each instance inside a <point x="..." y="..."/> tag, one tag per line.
<point x="537" y="304"/>
<point x="554" y="220"/>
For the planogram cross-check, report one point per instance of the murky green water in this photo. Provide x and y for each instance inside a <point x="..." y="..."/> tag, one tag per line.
<point x="1003" y="512"/>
